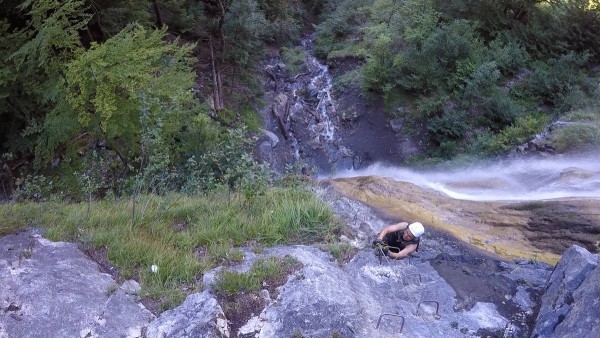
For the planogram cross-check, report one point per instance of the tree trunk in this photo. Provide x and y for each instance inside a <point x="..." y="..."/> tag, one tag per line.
<point x="221" y="31"/>
<point x="217" y="85"/>
<point x="159" y="20"/>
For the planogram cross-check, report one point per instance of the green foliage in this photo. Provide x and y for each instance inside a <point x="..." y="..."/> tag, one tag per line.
<point x="343" y="19"/>
<point x="449" y="126"/>
<point x="14" y="109"/>
<point x="32" y="79"/>
<point x="554" y="79"/>
<point x="507" y="53"/>
<point x="284" y="19"/>
<point x="580" y="130"/>
<point x="133" y="85"/>
<point x="33" y="187"/>
<point x="523" y="130"/>
<point x="173" y="229"/>
<point x="231" y="283"/>
<point x="495" y="60"/>
<point x="186" y="16"/>
<point x="113" y="16"/>
<point x="499" y="110"/>
<point x="294" y="59"/>
<point x="429" y="105"/>
<point x="482" y="81"/>
<point x="579" y="22"/>
<point x="341" y="251"/>
<point x="245" y="27"/>
<point x="230" y="164"/>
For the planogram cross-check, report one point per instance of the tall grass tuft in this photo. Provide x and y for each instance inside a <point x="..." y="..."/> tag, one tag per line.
<point x="231" y="283"/>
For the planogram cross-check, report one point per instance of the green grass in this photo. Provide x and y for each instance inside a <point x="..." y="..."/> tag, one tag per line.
<point x="168" y="231"/>
<point x="341" y="251"/>
<point x="231" y="283"/>
<point x="583" y="133"/>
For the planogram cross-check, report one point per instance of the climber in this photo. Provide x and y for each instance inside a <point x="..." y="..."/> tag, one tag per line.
<point x="399" y="240"/>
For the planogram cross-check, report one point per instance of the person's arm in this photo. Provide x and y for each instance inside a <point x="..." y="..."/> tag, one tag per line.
<point x="391" y="228"/>
<point x="404" y="252"/>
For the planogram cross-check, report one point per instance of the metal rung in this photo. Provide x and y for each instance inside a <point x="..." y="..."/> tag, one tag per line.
<point x="437" y="307"/>
<point x="391" y="314"/>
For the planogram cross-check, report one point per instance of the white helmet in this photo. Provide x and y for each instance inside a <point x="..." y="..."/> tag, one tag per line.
<point x="416" y="229"/>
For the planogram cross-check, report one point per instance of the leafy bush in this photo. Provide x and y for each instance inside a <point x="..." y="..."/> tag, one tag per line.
<point x="523" y="130"/>
<point x="294" y="59"/>
<point x="554" y="79"/>
<point x="450" y="126"/>
<point x="342" y="19"/>
<point x="508" y="55"/>
<point x="577" y="136"/>
<point x="33" y="187"/>
<point x="482" y="81"/>
<point x="499" y="111"/>
<point x="230" y="165"/>
<point x="456" y="49"/>
<point x="428" y="105"/>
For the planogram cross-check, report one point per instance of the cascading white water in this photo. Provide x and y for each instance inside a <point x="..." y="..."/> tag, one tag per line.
<point x="516" y="179"/>
<point x="322" y="82"/>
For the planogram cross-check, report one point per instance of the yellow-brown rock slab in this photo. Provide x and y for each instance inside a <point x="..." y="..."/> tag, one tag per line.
<point x="507" y="229"/>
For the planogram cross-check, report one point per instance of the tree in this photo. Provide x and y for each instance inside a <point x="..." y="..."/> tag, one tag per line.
<point x="132" y="85"/>
<point x="49" y="40"/>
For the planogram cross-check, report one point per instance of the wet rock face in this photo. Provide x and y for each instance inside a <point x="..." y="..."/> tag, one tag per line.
<point x="571" y="303"/>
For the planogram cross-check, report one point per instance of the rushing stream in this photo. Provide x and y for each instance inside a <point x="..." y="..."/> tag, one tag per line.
<point x="321" y="84"/>
<point x="515" y="179"/>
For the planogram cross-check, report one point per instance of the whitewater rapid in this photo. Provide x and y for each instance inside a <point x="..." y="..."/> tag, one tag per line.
<point x="508" y="180"/>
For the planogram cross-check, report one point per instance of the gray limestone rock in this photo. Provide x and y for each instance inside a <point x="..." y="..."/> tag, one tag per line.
<point x="571" y="303"/>
<point x="200" y="316"/>
<point x="396" y="125"/>
<point x="52" y="289"/>
<point x="131" y="287"/>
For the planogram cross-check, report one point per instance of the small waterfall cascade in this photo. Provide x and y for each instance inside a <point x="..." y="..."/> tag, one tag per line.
<point x="321" y="83"/>
<point x="304" y="112"/>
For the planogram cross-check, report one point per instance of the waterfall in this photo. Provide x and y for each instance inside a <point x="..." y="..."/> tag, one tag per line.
<point x="322" y="82"/>
<point x="507" y="180"/>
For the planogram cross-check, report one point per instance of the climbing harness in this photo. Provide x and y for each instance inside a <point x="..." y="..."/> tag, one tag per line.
<point x="381" y="249"/>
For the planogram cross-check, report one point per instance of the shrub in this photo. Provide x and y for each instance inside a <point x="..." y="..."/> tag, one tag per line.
<point x="33" y="187"/>
<point x="449" y="126"/>
<point x="508" y="55"/>
<point x="577" y="137"/>
<point x="554" y="79"/>
<point x="482" y="81"/>
<point x="499" y="111"/>
<point x="294" y="59"/>
<point x="523" y="130"/>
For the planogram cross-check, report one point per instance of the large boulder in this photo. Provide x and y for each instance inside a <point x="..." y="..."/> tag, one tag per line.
<point x="571" y="303"/>
<point x="200" y="316"/>
<point x="52" y="289"/>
